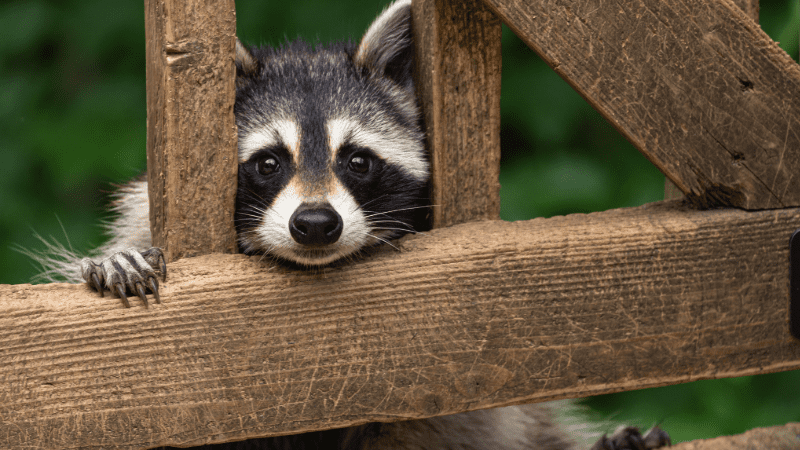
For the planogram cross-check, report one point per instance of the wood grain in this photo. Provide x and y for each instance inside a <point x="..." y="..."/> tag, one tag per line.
<point x="751" y="8"/>
<point x="471" y="316"/>
<point x="696" y="85"/>
<point x="458" y="82"/>
<point x="191" y="131"/>
<point x="784" y="437"/>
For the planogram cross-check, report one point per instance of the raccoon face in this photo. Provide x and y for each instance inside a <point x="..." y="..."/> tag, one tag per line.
<point x="331" y="154"/>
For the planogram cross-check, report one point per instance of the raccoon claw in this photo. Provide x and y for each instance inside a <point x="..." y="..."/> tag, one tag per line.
<point x="629" y="438"/>
<point x="153" y="285"/>
<point x="95" y="283"/>
<point x="155" y="257"/>
<point x="121" y="293"/>
<point x="140" y="292"/>
<point x="127" y="272"/>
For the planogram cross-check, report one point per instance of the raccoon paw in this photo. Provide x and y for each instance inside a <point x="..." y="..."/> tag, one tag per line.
<point x="629" y="438"/>
<point x="128" y="271"/>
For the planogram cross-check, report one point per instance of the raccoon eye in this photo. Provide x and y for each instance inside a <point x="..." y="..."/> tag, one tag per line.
<point x="359" y="163"/>
<point x="267" y="165"/>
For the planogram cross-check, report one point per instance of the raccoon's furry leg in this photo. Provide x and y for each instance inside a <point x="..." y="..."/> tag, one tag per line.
<point x="123" y="267"/>
<point x="130" y="229"/>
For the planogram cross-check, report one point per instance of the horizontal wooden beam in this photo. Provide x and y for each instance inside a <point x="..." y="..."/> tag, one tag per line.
<point x="467" y="317"/>
<point x="784" y="437"/>
<point x="695" y="85"/>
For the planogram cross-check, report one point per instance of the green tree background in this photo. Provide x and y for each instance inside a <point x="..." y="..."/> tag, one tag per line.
<point x="72" y="126"/>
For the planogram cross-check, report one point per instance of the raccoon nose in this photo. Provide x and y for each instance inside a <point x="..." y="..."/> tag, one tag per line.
<point x="315" y="226"/>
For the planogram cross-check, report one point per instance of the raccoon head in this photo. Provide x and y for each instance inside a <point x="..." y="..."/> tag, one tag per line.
<point x="331" y="151"/>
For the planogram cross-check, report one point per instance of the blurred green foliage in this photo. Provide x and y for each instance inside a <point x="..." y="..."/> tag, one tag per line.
<point x="72" y="124"/>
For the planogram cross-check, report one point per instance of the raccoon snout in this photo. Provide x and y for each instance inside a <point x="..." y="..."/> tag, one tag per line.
<point x="315" y="226"/>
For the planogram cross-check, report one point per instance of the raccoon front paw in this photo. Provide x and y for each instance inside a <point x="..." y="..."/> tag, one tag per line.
<point x="129" y="271"/>
<point x="629" y="438"/>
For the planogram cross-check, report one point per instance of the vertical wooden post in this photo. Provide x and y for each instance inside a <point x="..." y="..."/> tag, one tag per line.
<point x="191" y="131"/>
<point x="751" y="8"/>
<point x="458" y="82"/>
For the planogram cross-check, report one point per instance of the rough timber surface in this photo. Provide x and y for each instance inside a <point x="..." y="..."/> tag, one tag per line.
<point x="476" y="315"/>
<point x="191" y="132"/>
<point x="696" y="85"/>
<point x="751" y="8"/>
<point x="458" y="83"/>
<point x="785" y="437"/>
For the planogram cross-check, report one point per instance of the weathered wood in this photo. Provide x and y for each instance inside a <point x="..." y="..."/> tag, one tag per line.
<point x="458" y="82"/>
<point x="542" y="309"/>
<point x="750" y="7"/>
<point x="785" y="437"/>
<point x="191" y="132"/>
<point x="710" y="101"/>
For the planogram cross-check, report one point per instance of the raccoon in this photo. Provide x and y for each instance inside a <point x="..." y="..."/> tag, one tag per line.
<point x="331" y="162"/>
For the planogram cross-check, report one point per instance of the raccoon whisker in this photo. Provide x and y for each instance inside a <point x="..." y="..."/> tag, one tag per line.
<point x="258" y="207"/>
<point x="255" y="209"/>
<point x="402" y="229"/>
<point x="394" y="231"/>
<point x="390" y="221"/>
<point x="398" y="229"/>
<point x="362" y="207"/>
<point x="250" y="216"/>
<point x="254" y="194"/>
<point x="374" y="213"/>
<point x="374" y="200"/>
<point x="255" y="215"/>
<point x="398" y="226"/>
<point x="382" y="240"/>
<point x="257" y="198"/>
<point x="265" y="255"/>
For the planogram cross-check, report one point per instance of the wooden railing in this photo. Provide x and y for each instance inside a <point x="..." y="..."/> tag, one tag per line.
<point x="475" y="315"/>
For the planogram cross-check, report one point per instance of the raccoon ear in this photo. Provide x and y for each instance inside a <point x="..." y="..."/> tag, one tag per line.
<point x="387" y="47"/>
<point x="246" y="64"/>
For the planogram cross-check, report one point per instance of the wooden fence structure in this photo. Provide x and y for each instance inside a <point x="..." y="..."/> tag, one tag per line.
<point x="477" y="313"/>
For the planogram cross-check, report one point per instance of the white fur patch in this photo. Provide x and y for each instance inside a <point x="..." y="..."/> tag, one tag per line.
<point x="282" y="131"/>
<point x="395" y="147"/>
<point x="273" y="233"/>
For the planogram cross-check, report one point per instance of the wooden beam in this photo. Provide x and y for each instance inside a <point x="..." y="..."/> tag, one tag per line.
<point x="458" y="82"/>
<point x="750" y="7"/>
<point x="191" y="131"/>
<point x="710" y="101"/>
<point x="784" y="437"/>
<point x="535" y="310"/>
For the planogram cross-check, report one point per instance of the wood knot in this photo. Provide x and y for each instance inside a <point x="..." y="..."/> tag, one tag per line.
<point x="746" y="85"/>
